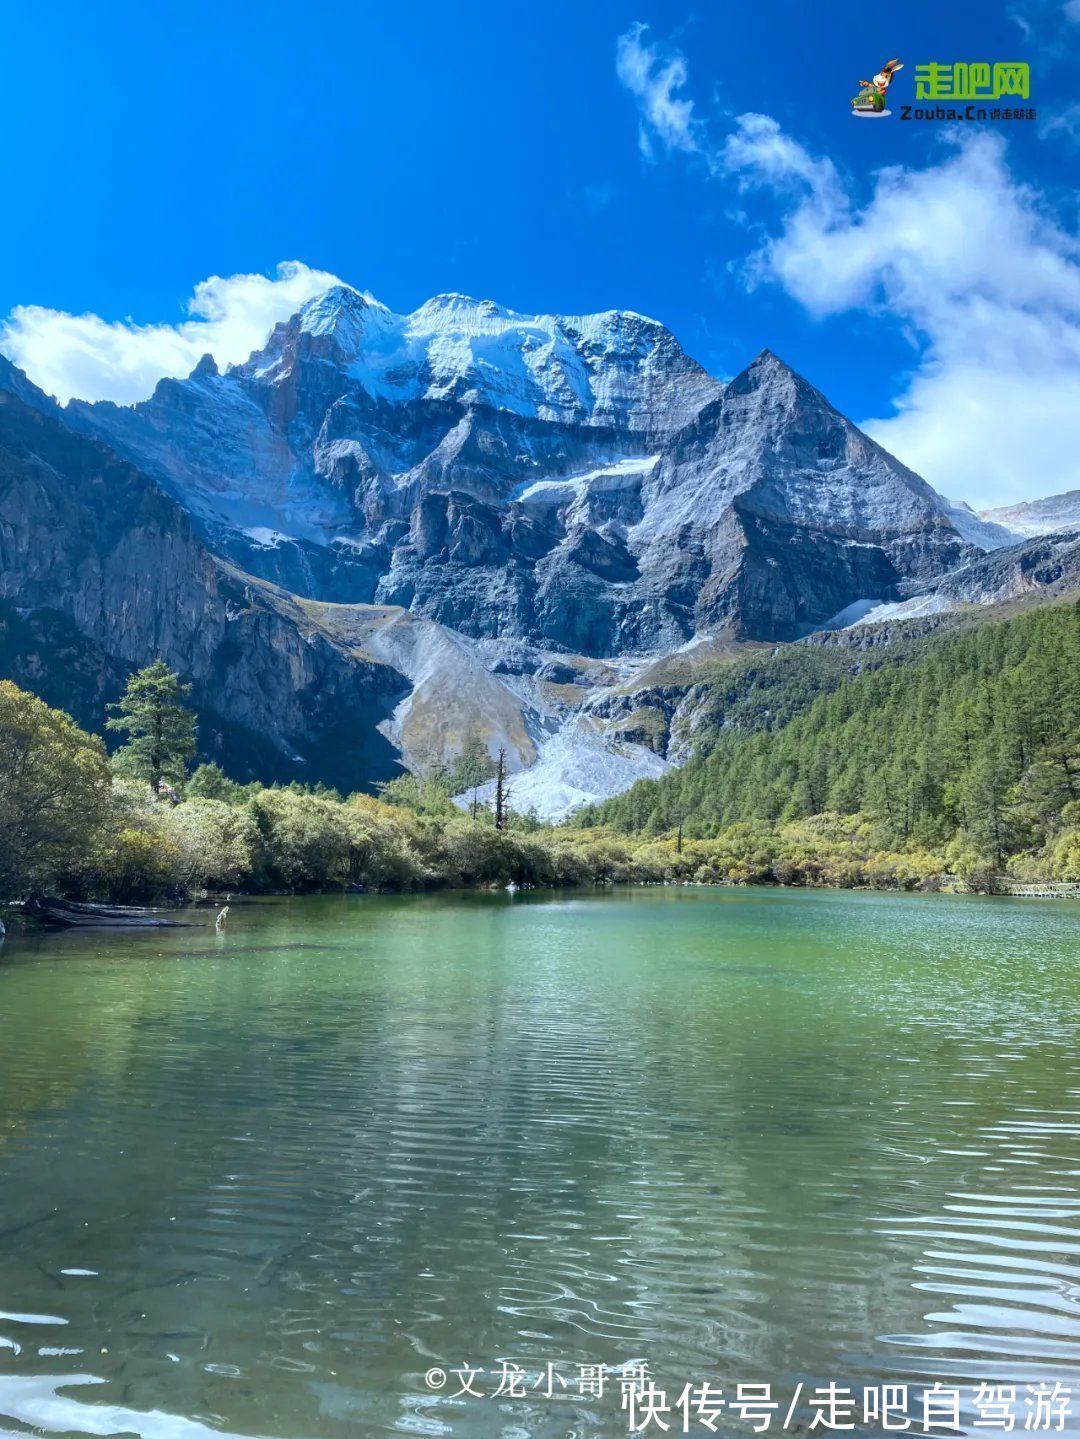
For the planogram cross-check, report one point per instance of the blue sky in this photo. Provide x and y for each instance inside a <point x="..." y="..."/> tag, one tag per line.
<point x="718" y="183"/>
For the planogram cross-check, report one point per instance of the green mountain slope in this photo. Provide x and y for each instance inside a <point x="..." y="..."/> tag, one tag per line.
<point x="973" y="732"/>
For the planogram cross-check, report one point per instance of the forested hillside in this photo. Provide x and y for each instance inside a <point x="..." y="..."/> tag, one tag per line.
<point x="933" y="760"/>
<point x="976" y="738"/>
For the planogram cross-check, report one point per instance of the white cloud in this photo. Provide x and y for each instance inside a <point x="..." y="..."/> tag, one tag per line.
<point x="83" y="355"/>
<point x="1064" y="122"/>
<point x="976" y="269"/>
<point x="962" y="259"/>
<point x="758" y="152"/>
<point x="654" y="79"/>
<point x="1072" y="11"/>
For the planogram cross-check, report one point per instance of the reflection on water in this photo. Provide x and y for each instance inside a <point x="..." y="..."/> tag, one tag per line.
<point x="260" y="1187"/>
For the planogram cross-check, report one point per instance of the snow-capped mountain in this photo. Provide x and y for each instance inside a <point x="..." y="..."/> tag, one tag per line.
<point x="465" y="523"/>
<point x="346" y="394"/>
<point x="578" y="482"/>
<point x="1039" y="517"/>
<point x="615" y="369"/>
<point x="981" y="530"/>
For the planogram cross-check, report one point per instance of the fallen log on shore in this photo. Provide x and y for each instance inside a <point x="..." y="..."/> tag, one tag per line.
<point x="98" y="916"/>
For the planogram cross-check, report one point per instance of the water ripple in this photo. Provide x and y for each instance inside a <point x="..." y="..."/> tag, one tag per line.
<point x="772" y="1137"/>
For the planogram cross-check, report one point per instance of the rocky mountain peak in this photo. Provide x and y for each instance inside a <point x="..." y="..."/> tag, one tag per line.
<point x="767" y="373"/>
<point x="572" y="479"/>
<point x="334" y="326"/>
<point x="341" y="321"/>
<point x="14" y="382"/>
<point x="795" y="429"/>
<point x="338" y="307"/>
<point x="615" y="369"/>
<point x="767" y="361"/>
<point x="206" y="368"/>
<point x="454" y="309"/>
<point x="1038" y="517"/>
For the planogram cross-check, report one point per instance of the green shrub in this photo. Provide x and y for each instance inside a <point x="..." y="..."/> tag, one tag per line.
<point x="54" y="794"/>
<point x="215" y="842"/>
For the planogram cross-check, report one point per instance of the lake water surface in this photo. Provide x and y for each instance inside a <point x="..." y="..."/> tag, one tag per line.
<point x="261" y="1183"/>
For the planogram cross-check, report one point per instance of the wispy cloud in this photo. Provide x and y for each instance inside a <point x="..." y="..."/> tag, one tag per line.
<point x="83" y="355"/>
<point x="977" y="269"/>
<point x="1065" y="123"/>
<point x="759" y="153"/>
<point x="1049" y="21"/>
<point x="969" y="263"/>
<point x="655" y="76"/>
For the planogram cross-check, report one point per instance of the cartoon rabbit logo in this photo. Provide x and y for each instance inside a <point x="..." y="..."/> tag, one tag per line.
<point x="870" y="101"/>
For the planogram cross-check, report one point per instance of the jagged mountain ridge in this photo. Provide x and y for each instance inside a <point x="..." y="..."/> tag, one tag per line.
<point x="1031" y="518"/>
<point x="480" y="504"/>
<point x="307" y="462"/>
<point x="577" y="483"/>
<point x="100" y="572"/>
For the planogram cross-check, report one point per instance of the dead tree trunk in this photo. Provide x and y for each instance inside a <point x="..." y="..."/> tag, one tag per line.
<point x="502" y="791"/>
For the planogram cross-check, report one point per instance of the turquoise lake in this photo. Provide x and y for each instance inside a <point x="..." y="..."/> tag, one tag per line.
<point x="262" y="1183"/>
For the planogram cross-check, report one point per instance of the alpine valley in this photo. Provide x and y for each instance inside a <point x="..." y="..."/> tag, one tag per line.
<point x="385" y="537"/>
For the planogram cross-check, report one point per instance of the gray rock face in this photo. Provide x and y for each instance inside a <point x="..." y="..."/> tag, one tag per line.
<point x="386" y="535"/>
<point x="793" y="507"/>
<point x="577" y="483"/>
<point x="1049" y="565"/>
<point x="100" y="573"/>
<point x="1039" y="517"/>
<point x="765" y="515"/>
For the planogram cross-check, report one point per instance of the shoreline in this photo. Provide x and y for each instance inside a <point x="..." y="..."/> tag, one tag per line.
<point x="31" y="925"/>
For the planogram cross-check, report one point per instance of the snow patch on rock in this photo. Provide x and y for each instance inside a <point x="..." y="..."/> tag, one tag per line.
<point x="579" y="765"/>
<point x="266" y="539"/>
<point x="915" y="608"/>
<point x="977" y="529"/>
<point x="1039" y="517"/>
<point x="580" y="482"/>
<point x="852" y="614"/>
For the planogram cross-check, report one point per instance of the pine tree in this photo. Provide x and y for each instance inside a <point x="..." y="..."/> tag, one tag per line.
<point x="160" y="727"/>
<point x="974" y="733"/>
<point x="471" y="768"/>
